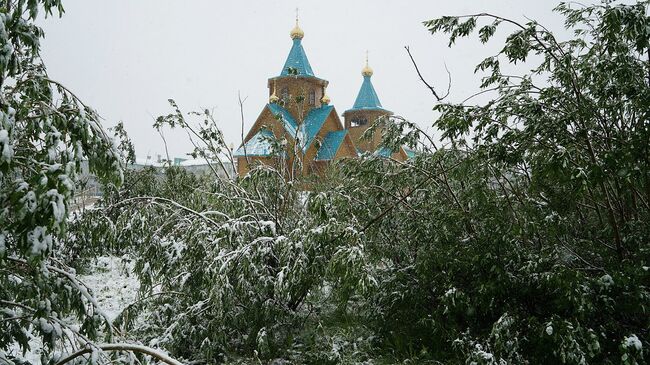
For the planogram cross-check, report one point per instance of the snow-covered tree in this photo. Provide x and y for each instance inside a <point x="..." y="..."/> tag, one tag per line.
<point x="525" y="240"/>
<point x="48" y="138"/>
<point x="46" y="135"/>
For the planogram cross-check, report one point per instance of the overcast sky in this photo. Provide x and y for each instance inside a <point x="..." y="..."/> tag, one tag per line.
<point x="126" y="57"/>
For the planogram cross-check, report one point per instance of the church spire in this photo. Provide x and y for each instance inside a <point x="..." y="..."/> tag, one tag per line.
<point x="367" y="98"/>
<point x="367" y="71"/>
<point x="296" y="32"/>
<point x="297" y="59"/>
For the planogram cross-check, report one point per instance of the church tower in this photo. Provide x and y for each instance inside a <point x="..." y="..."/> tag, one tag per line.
<point x="298" y="112"/>
<point x="297" y="88"/>
<point x="367" y="109"/>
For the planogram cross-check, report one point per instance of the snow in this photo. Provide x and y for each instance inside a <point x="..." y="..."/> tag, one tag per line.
<point x="632" y="341"/>
<point x="22" y="186"/>
<point x="317" y="231"/>
<point x="40" y="240"/>
<point x="52" y="153"/>
<point x="549" y="329"/>
<point x="54" y="168"/>
<point x="114" y="287"/>
<point x="58" y="207"/>
<point x="15" y="279"/>
<point x="484" y="355"/>
<point x="268" y="225"/>
<point x="67" y="182"/>
<point x="3" y="247"/>
<point x="29" y="201"/>
<point x="7" y="151"/>
<point x="45" y="326"/>
<point x="113" y="284"/>
<point x="450" y="292"/>
<point x="606" y="280"/>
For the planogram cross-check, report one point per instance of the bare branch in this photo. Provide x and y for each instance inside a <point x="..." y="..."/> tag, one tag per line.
<point x="241" y="112"/>
<point x="433" y="91"/>
<point x="165" y="143"/>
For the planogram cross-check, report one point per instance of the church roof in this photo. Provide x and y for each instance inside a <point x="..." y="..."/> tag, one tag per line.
<point x="367" y="98"/>
<point x="285" y="118"/>
<point x="297" y="59"/>
<point x="258" y="145"/>
<point x="330" y="145"/>
<point x="310" y="126"/>
<point x="386" y="152"/>
<point x="409" y="152"/>
<point x="313" y="123"/>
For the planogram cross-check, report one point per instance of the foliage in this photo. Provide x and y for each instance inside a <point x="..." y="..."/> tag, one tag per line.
<point x="525" y="240"/>
<point x="49" y="141"/>
<point x="226" y="267"/>
<point x="533" y="245"/>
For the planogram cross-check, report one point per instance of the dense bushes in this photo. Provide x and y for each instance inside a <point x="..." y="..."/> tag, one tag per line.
<point x="533" y="246"/>
<point x="525" y="240"/>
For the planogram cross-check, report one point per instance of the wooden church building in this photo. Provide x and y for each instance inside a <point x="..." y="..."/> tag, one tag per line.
<point x="299" y="112"/>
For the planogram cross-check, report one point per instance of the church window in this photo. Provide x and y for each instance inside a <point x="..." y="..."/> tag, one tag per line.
<point x="359" y="121"/>
<point x="312" y="98"/>
<point x="285" y="94"/>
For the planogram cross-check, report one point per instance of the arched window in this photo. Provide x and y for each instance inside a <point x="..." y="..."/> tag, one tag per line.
<point x="312" y="97"/>
<point x="284" y="94"/>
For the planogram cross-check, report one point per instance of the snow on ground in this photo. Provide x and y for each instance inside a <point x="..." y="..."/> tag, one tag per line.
<point x="112" y="283"/>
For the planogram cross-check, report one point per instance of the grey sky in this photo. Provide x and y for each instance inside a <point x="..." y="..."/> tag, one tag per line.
<point x="126" y="58"/>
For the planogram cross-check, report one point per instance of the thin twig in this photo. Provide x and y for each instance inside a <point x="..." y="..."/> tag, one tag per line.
<point x="417" y="69"/>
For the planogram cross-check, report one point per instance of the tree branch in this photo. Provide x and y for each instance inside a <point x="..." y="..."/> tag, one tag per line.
<point x="124" y="347"/>
<point x="433" y="91"/>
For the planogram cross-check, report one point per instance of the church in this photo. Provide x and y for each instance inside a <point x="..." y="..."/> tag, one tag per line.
<point x="299" y="112"/>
